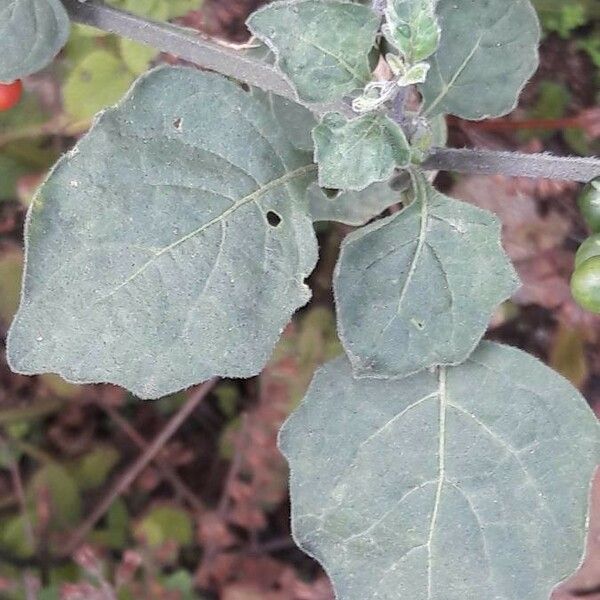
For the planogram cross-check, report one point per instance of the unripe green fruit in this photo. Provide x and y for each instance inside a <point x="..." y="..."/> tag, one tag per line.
<point x="589" y="248"/>
<point x="589" y="205"/>
<point x="585" y="284"/>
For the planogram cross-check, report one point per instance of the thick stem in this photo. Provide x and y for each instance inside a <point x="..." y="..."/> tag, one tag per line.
<point x="193" y="47"/>
<point x="491" y="162"/>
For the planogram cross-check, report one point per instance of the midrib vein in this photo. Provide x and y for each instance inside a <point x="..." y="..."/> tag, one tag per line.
<point x="447" y="86"/>
<point x="441" y="473"/>
<point x="235" y="206"/>
<point x="346" y="66"/>
<point x="422" y="195"/>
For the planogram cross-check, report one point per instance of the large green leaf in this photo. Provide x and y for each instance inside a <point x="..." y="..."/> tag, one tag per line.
<point x="31" y="34"/>
<point x="466" y="483"/>
<point x="321" y="45"/>
<point x="171" y="245"/>
<point x="417" y="289"/>
<point x="488" y="50"/>
<point x="354" y="153"/>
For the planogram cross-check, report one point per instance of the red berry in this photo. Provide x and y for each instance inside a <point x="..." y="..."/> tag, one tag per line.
<point x="10" y="94"/>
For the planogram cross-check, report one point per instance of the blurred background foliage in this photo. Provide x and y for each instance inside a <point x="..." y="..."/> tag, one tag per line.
<point x="209" y="517"/>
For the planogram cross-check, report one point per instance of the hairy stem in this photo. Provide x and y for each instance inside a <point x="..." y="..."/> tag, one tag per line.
<point x="195" y="48"/>
<point x="490" y="162"/>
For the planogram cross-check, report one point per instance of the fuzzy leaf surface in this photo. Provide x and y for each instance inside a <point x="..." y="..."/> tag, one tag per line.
<point x="465" y="483"/>
<point x="417" y="289"/>
<point x="354" y="153"/>
<point x="351" y="208"/>
<point x="411" y="26"/>
<point x="31" y="34"/>
<point x="171" y="245"/>
<point x="488" y="50"/>
<point x="322" y="46"/>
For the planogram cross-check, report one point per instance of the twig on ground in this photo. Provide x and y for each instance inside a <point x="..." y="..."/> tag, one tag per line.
<point x="130" y="474"/>
<point x="165" y="469"/>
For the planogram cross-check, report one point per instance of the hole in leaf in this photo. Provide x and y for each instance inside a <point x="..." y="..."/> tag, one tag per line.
<point x="273" y="218"/>
<point x="331" y="193"/>
<point x="418" y="324"/>
<point x="245" y="87"/>
<point x="177" y="123"/>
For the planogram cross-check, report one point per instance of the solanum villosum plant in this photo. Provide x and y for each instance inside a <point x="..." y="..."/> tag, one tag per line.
<point x="172" y="244"/>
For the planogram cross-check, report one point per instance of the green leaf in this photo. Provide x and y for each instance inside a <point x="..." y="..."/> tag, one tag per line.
<point x="466" y="483"/>
<point x="351" y="208"/>
<point x="296" y="121"/>
<point x="65" y="500"/>
<point x="321" y="45"/>
<point x="166" y="523"/>
<point x="355" y="153"/>
<point x="411" y="26"/>
<point x="13" y="536"/>
<point x="31" y="34"/>
<point x="97" y="81"/>
<point x="171" y="245"/>
<point x="115" y="534"/>
<point x="417" y="289"/>
<point x="487" y="52"/>
<point x="92" y="469"/>
<point x="154" y="9"/>
<point x="137" y="57"/>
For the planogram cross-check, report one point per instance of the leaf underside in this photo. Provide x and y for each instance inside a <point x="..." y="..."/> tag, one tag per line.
<point x="31" y="34"/>
<point x="466" y="483"/>
<point x="321" y="45"/>
<point x="171" y="245"/>
<point x="417" y="289"/>
<point x="488" y="51"/>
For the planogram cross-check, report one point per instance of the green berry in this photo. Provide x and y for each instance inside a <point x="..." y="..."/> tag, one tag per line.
<point x="589" y="205"/>
<point x="589" y="248"/>
<point x="585" y="284"/>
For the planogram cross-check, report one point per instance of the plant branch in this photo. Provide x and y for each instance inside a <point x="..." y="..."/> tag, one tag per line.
<point x="131" y="473"/>
<point x="190" y="45"/>
<point x="201" y="50"/>
<point x="492" y="162"/>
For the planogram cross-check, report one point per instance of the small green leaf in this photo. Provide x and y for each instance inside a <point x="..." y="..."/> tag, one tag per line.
<point x="417" y="289"/>
<point x="92" y="469"/>
<point x="136" y="56"/>
<point x="31" y="34"/>
<point x="321" y="45"/>
<point x="154" y="9"/>
<point x="351" y="208"/>
<point x="14" y="537"/>
<point x="355" y="153"/>
<point x="96" y="82"/>
<point x="166" y="523"/>
<point x="171" y="244"/>
<point x="116" y="531"/>
<point x="65" y="500"/>
<point x="411" y="26"/>
<point x="466" y="483"/>
<point x="488" y="51"/>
